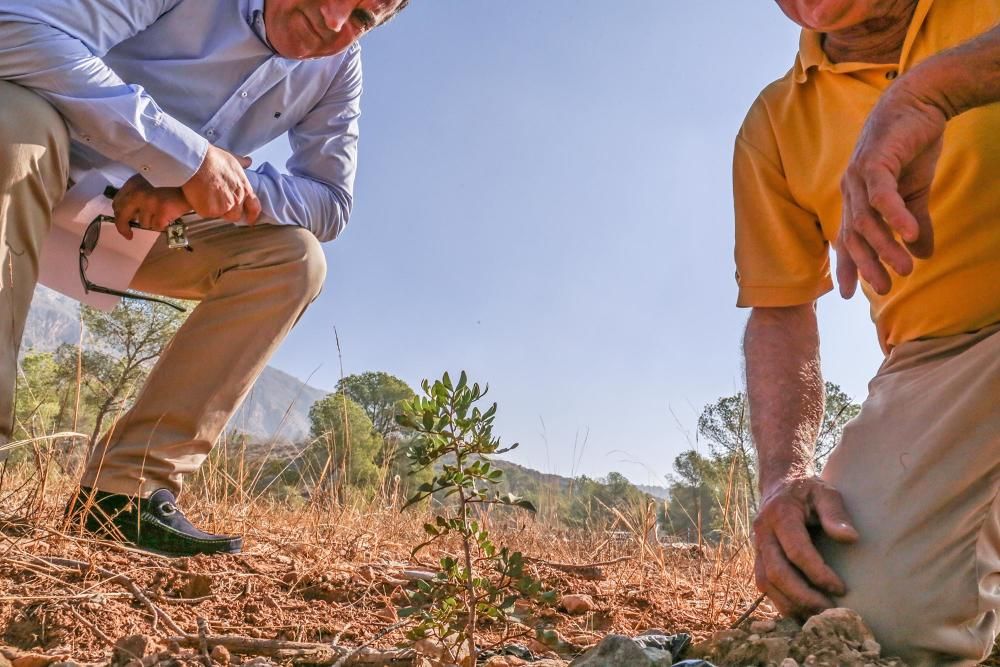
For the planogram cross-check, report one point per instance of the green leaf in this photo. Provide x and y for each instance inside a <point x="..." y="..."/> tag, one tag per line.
<point x="526" y="505"/>
<point x="446" y="380"/>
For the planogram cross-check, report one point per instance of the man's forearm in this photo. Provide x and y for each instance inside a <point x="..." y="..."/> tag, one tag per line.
<point x="785" y="390"/>
<point x="961" y="78"/>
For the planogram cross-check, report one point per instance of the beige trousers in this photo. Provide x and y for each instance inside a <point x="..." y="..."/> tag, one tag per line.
<point x="34" y="166"/>
<point x="920" y="472"/>
<point x="252" y="285"/>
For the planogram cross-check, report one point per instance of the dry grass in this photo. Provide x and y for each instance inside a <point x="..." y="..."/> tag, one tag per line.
<point x="320" y="572"/>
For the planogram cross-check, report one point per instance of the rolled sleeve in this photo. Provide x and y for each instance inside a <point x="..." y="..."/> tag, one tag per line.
<point x="172" y="155"/>
<point x="782" y="257"/>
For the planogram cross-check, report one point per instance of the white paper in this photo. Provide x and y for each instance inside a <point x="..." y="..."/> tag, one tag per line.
<point x="113" y="262"/>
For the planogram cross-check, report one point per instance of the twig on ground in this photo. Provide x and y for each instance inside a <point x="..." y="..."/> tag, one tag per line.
<point x="93" y="628"/>
<point x="378" y="635"/>
<point x="203" y="641"/>
<point x="748" y="613"/>
<point x="302" y="652"/>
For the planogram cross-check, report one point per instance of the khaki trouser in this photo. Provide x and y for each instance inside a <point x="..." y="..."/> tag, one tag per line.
<point x="34" y="166"/>
<point x="252" y="284"/>
<point x="920" y="472"/>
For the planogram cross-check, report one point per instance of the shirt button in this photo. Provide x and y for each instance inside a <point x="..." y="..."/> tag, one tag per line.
<point x="243" y="94"/>
<point x="891" y="74"/>
<point x="145" y="167"/>
<point x="210" y="133"/>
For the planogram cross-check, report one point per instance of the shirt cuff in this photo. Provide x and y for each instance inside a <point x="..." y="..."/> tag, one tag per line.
<point x="172" y="155"/>
<point x="780" y="297"/>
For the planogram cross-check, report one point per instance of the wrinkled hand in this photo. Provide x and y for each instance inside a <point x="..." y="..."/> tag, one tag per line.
<point x="153" y="208"/>
<point x="788" y="568"/>
<point x="886" y="189"/>
<point x="220" y="189"/>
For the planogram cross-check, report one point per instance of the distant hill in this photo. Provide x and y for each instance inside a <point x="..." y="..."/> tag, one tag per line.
<point x="276" y="409"/>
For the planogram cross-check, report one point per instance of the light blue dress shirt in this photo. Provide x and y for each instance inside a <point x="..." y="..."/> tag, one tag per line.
<point x="148" y="84"/>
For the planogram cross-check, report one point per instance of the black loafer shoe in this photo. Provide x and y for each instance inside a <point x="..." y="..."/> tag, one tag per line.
<point x="153" y="524"/>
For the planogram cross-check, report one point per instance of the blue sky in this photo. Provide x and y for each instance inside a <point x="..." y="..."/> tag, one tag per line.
<point x="544" y="200"/>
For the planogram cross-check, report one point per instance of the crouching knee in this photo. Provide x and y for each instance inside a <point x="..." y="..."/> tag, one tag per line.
<point x="306" y="265"/>
<point x="34" y="140"/>
<point x="925" y="620"/>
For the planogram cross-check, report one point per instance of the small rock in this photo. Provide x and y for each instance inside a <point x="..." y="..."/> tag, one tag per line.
<point x="505" y="661"/>
<point x="220" y="654"/>
<point x="870" y="648"/>
<point x="763" y="627"/>
<point x="621" y="651"/>
<point x="258" y="662"/>
<point x="536" y="646"/>
<point x="577" y="604"/>
<point x="197" y="586"/>
<point x="436" y="651"/>
<point x="132" y="647"/>
<point x="789" y="662"/>
<point x="36" y="660"/>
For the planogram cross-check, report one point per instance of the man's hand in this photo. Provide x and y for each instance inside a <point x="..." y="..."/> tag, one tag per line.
<point x="153" y="208"/>
<point x="886" y="189"/>
<point x="787" y="567"/>
<point x="220" y="189"/>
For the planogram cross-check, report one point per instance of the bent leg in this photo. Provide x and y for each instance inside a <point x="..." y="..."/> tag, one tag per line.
<point x="34" y="164"/>
<point x="919" y="470"/>
<point x="254" y="283"/>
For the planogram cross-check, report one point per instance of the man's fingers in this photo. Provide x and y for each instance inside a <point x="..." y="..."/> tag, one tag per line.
<point x="833" y="516"/>
<point x="235" y="214"/>
<point x="798" y="547"/>
<point x="124" y="215"/>
<point x="847" y="270"/>
<point x="785" y="579"/>
<point x="869" y="267"/>
<point x="251" y="209"/>
<point x="923" y="247"/>
<point x="867" y="222"/>
<point x="884" y="198"/>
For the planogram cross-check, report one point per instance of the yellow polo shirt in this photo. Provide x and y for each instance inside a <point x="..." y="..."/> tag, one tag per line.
<point x="793" y="149"/>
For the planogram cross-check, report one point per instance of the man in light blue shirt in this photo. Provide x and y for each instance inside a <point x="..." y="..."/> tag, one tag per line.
<point x="169" y="96"/>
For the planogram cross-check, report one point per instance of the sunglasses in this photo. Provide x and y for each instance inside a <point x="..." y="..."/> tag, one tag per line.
<point x="90" y="238"/>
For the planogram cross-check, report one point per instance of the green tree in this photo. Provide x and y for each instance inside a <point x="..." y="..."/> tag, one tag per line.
<point x="839" y="409"/>
<point x="128" y="340"/>
<point x="696" y="491"/>
<point x="37" y="404"/>
<point x="594" y="501"/>
<point x="344" y="445"/>
<point x="725" y="424"/>
<point x="379" y="395"/>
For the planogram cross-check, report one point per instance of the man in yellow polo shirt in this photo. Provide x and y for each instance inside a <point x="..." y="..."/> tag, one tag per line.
<point x="907" y="508"/>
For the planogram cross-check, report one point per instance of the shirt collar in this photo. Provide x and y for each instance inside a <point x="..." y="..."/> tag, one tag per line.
<point x="255" y="17"/>
<point x="811" y="54"/>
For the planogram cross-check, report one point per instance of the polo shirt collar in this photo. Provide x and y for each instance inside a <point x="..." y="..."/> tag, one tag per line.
<point x="811" y="55"/>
